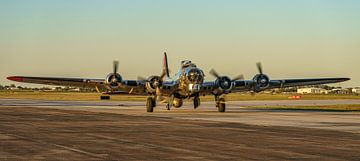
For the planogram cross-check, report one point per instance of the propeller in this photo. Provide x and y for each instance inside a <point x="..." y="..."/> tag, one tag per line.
<point x="114" y="78"/>
<point x="259" y="67"/>
<point x="216" y="74"/>
<point x="225" y="82"/>
<point x="153" y="85"/>
<point x="260" y="81"/>
<point x="116" y="66"/>
<point x="239" y="77"/>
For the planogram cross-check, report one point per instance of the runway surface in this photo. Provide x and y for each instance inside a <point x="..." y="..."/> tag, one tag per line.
<point x="73" y="130"/>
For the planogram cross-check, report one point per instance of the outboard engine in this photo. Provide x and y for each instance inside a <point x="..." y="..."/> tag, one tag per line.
<point x="113" y="80"/>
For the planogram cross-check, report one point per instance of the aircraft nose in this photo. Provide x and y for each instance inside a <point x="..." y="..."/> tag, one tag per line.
<point x="194" y="87"/>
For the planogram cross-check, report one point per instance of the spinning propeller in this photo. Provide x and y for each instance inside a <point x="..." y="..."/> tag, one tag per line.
<point x="154" y="84"/>
<point x="260" y="81"/>
<point x="224" y="82"/>
<point x="114" y="78"/>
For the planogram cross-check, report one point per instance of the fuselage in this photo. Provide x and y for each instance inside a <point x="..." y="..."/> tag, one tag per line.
<point x="189" y="79"/>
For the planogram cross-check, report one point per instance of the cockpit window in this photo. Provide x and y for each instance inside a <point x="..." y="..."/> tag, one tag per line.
<point x="195" y="75"/>
<point x="187" y="63"/>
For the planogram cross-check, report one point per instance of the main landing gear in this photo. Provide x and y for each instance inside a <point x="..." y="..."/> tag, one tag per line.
<point x="150" y="104"/>
<point x="220" y="103"/>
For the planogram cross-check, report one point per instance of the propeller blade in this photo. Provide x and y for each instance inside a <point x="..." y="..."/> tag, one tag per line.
<point x="214" y="73"/>
<point x="116" y="65"/>
<point x="240" y="77"/>
<point x="259" y="67"/>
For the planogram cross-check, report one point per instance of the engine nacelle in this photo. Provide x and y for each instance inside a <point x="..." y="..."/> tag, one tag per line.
<point x="261" y="82"/>
<point x="177" y="102"/>
<point x="224" y="83"/>
<point x="113" y="80"/>
<point x="153" y="83"/>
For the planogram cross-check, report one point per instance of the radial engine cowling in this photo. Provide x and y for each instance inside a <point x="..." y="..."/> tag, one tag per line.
<point x="224" y="83"/>
<point x="153" y="83"/>
<point x="113" y="80"/>
<point x="261" y="82"/>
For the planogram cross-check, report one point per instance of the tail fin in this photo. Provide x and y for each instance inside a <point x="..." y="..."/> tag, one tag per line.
<point x="165" y="66"/>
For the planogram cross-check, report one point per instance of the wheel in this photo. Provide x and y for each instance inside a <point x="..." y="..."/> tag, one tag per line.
<point x="104" y="97"/>
<point x="221" y="105"/>
<point x="196" y="102"/>
<point x="150" y="104"/>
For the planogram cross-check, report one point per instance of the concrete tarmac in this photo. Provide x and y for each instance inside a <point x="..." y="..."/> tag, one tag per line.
<point x="78" y="130"/>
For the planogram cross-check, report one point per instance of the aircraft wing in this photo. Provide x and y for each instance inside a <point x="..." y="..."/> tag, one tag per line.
<point x="248" y="85"/>
<point x="127" y="87"/>
<point x="304" y="82"/>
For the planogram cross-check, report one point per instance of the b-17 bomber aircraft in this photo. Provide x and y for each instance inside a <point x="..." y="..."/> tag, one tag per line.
<point x="188" y="83"/>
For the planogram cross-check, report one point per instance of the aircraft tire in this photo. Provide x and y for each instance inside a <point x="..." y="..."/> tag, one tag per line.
<point x="104" y="97"/>
<point x="196" y="102"/>
<point x="150" y="104"/>
<point x="222" y="105"/>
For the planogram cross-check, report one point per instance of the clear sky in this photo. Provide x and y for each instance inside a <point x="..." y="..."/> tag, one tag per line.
<point x="81" y="38"/>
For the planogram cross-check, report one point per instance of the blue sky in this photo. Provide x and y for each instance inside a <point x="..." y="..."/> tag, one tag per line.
<point x="81" y="38"/>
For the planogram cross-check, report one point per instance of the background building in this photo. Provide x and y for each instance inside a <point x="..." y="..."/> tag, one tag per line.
<point x="356" y="90"/>
<point x="312" y="91"/>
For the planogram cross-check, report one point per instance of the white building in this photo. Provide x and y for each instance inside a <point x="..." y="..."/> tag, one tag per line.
<point x="356" y="90"/>
<point x="312" y="91"/>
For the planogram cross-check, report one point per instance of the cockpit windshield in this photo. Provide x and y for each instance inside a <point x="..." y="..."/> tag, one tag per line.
<point x="195" y="75"/>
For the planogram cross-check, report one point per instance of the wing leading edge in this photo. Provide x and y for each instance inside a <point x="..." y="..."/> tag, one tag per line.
<point x="73" y="82"/>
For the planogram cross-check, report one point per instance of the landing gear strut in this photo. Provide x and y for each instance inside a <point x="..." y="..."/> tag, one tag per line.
<point x="150" y="104"/>
<point x="220" y="103"/>
<point x="196" y="102"/>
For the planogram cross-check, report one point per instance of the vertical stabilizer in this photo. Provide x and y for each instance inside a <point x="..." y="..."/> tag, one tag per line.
<point x="165" y="66"/>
